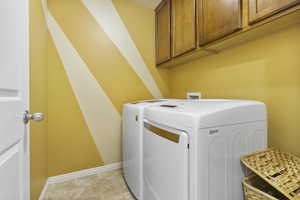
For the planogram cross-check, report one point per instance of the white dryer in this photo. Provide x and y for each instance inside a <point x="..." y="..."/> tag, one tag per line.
<point x="132" y="125"/>
<point x="192" y="149"/>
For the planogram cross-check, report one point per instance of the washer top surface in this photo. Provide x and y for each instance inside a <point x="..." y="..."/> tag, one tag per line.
<point x="206" y="112"/>
<point x="146" y="103"/>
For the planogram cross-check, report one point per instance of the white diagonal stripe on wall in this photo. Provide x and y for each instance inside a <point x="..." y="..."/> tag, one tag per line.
<point x="102" y="118"/>
<point x="108" y="18"/>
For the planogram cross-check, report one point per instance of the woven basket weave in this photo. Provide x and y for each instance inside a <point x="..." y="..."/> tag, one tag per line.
<point x="279" y="169"/>
<point x="256" y="188"/>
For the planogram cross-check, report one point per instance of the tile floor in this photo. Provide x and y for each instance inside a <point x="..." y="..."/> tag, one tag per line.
<point x="103" y="186"/>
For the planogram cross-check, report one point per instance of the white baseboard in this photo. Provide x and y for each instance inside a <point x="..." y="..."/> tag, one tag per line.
<point x="81" y="173"/>
<point x="78" y="174"/>
<point x="43" y="193"/>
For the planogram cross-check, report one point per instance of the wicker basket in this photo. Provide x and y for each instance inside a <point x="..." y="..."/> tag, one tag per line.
<point x="277" y="176"/>
<point x="256" y="188"/>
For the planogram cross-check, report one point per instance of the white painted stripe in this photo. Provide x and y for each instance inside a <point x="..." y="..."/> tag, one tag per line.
<point x="108" y="18"/>
<point x="82" y="173"/>
<point x="102" y="118"/>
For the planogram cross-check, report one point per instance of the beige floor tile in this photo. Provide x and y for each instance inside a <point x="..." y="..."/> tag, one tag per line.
<point x="103" y="186"/>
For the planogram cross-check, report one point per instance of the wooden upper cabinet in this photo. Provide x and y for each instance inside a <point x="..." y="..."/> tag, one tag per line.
<point x="163" y="32"/>
<point x="218" y="18"/>
<point x="261" y="9"/>
<point x="183" y="26"/>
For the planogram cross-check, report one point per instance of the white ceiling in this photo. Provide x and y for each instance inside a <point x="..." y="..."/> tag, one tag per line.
<point x="147" y="3"/>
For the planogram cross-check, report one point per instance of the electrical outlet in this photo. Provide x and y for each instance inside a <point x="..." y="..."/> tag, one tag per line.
<point x="194" y="95"/>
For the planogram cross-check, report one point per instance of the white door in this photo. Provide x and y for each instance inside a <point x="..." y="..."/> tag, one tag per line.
<point x="14" y="85"/>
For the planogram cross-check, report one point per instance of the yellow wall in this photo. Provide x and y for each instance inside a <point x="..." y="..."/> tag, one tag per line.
<point x="38" y="98"/>
<point x="72" y="142"/>
<point x="70" y="145"/>
<point x="267" y="70"/>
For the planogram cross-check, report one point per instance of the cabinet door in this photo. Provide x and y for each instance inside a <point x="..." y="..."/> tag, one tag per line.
<point x="218" y="18"/>
<point x="261" y="9"/>
<point x="183" y="26"/>
<point x="163" y="32"/>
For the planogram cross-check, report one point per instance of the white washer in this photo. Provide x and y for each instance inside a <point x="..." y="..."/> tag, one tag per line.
<point x="192" y="149"/>
<point x="132" y="124"/>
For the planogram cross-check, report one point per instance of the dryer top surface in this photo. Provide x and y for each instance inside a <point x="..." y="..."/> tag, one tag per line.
<point x="207" y="112"/>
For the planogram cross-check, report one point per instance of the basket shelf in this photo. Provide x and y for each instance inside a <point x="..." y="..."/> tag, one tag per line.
<point x="279" y="169"/>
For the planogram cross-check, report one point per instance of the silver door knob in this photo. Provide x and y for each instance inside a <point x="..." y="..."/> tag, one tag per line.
<point x="35" y="117"/>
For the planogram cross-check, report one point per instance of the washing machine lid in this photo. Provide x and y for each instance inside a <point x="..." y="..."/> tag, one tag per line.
<point x="206" y="113"/>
